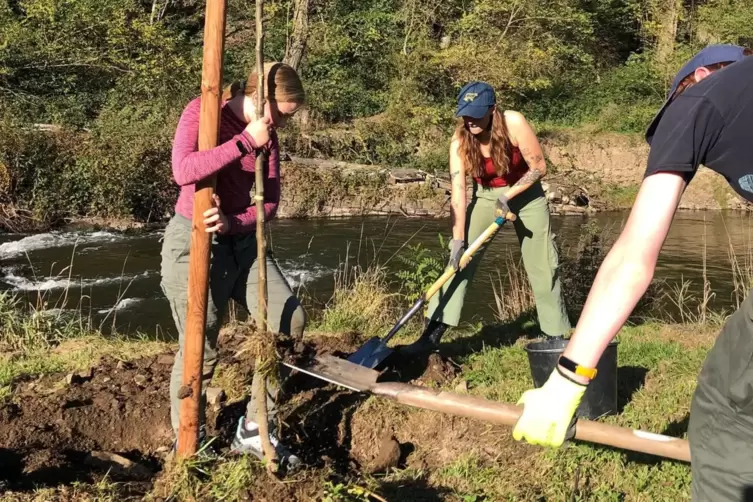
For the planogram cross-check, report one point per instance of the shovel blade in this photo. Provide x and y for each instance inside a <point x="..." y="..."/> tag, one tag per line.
<point x="340" y="372"/>
<point x="371" y="354"/>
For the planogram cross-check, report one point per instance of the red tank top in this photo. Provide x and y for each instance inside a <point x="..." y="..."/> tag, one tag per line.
<point x="517" y="169"/>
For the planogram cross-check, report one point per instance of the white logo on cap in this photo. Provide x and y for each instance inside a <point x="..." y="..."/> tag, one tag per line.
<point x="746" y="182"/>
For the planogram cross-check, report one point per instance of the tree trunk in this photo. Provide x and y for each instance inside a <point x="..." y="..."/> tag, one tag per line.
<point x="667" y="13"/>
<point x="296" y="45"/>
<point x="270" y="454"/>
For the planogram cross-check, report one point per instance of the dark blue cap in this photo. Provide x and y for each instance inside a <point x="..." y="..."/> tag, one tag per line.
<point x="709" y="55"/>
<point x="474" y="100"/>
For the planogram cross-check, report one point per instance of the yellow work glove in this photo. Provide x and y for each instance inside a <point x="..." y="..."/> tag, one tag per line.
<point x="548" y="411"/>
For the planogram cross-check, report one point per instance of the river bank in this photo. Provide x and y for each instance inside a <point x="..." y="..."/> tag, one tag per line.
<point x="588" y="173"/>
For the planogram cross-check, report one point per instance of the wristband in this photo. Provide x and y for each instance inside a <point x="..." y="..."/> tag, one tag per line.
<point x="569" y="378"/>
<point x="569" y="364"/>
<point x="241" y="148"/>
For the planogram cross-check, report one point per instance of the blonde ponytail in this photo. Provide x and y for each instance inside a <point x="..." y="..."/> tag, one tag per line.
<point x="282" y="84"/>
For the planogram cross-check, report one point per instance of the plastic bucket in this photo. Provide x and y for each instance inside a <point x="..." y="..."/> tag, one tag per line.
<point x="600" y="398"/>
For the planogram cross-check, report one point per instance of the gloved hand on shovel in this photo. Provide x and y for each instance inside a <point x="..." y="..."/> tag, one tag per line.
<point x="547" y="418"/>
<point x="457" y="246"/>
<point x="501" y="207"/>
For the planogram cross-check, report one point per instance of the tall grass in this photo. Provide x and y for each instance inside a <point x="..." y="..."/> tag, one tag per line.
<point x="60" y="318"/>
<point x="742" y="270"/>
<point x="513" y="296"/>
<point x="26" y="328"/>
<point x="361" y="301"/>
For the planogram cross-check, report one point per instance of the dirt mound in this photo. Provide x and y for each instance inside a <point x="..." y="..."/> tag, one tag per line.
<point x="62" y="429"/>
<point x="426" y="369"/>
<point x="429" y="440"/>
<point x="49" y="430"/>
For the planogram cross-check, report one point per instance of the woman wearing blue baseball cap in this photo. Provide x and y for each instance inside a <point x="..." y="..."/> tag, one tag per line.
<point x="499" y="150"/>
<point x="707" y="119"/>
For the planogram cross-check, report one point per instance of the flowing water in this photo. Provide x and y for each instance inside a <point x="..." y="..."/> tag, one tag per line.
<point x="114" y="277"/>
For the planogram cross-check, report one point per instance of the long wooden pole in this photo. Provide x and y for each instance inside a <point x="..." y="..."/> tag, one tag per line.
<point x="198" y="274"/>
<point x="507" y="414"/>
<point x="261" y="159"/>
<point x="261" y="249"/>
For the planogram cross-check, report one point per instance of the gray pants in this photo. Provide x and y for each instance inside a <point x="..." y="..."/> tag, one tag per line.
<point x="721" y="415"/>
<point x="233" y="274"/>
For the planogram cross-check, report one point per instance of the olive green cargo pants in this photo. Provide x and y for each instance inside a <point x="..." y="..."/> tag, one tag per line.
<point x="540" y="258"/>
<point x="721" y="415"/>
<point x="233" y="274"/>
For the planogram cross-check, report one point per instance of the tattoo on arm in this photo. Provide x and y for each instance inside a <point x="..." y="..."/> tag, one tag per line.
<point x="534" y="172"/>
<point x="454" y="175"/>
<point x="531" y="159"/>
<point x="530" y="177"/>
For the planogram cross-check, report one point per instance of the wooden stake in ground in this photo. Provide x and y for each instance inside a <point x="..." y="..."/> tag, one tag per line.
<point x="198" y="275"/>
<point x="262" y="419"/>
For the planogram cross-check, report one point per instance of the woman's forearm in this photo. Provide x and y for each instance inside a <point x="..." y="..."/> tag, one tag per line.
<point x="619" y="285"/>
<point x="533" y="175"/>
<point x="457" y="212"/>
<point x="627" y="270"/>
<point x="458" y="197"/>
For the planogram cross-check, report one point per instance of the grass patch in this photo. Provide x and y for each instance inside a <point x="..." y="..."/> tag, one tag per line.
<point x="233" y="380"/>
<point x="72" y="355"/>
<point x="361" y="302"/>
<point x="659" y="403"/>
<point x="619" y="197"/>
<point x="227" y="479"/>
<point x="38" y="342"/>
<point x="102" y="491"/>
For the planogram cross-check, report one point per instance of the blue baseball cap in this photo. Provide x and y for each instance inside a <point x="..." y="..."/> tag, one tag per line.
<point x="709" y="55"/>
<point x="474" y="100"/>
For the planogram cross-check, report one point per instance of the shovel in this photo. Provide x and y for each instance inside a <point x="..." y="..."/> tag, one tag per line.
<point x="375" y="350"/>
<point x="357" y="372"/>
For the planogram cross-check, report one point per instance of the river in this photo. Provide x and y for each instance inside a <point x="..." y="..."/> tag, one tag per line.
<point x="113" y="278"/>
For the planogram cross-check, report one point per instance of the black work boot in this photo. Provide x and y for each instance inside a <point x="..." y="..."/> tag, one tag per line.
<point x="429" y="339"/>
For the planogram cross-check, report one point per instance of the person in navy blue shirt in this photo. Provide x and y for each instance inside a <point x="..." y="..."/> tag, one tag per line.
<point x="706" y="120"/>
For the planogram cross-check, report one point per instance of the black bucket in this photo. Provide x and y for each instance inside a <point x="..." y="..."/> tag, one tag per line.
<point x="600" y="398"/>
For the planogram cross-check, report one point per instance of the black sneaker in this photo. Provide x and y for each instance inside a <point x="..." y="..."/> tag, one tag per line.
<point x="249" y="441"/>
<point x="428" y="341"/>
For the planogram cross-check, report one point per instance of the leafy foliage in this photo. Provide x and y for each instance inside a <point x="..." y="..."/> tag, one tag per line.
<point x="381" y="78"/>
<point x="423" y="267"/>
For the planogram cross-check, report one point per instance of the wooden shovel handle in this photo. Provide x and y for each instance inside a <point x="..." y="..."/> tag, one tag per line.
<point x="507" y="414"/>
<point x="465" y="258"/>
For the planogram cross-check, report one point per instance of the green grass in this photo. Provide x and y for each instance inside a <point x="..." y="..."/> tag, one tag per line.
<point x="102" y="491"/>
<point x="671" y="356"/>
<point x="38" y="342"/>
<point x="619" y="197"/>
<point x="361" y="302"/>
<point x="205" y="478"/>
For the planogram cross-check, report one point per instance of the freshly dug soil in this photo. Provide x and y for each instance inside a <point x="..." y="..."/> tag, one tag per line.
<point x="52" y="425"/>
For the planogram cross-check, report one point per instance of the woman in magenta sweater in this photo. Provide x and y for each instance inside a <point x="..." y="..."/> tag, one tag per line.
<point x="232" y="220"/>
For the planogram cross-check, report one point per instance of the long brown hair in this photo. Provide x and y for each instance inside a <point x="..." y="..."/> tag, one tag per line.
<point x="469" y="147"/>
<point x="281" y="81"/>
